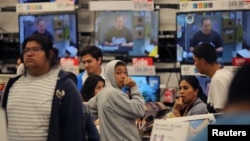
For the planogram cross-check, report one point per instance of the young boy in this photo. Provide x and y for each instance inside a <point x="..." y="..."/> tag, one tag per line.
<point x="116" y="111"/>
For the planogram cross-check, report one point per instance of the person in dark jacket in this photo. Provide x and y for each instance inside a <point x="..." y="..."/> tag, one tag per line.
<point x="43" y="103"/>
<point x="90" y="131"/>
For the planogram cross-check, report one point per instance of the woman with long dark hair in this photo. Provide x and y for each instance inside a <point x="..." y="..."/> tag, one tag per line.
<point x="191" y="100"/>
<point x="93" y="84"/>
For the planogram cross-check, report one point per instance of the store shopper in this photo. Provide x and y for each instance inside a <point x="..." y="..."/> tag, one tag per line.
<point x="91" y="57"/>
<point x="205" y="61"/>
<point x="19" y="65"/>
<point x="237" y="107"/>
<point x="93" y="84"/>
<point x="43" y="103"/>
<point x="191" y="99"/>
<point x="116" y="111"/>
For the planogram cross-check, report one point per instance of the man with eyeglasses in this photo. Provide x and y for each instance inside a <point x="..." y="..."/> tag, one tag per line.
<point x="43" y="103"/>
<point x="91" y="57"/>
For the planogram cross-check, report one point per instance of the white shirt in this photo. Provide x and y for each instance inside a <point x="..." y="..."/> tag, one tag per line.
<point x="218" y="89"/>
<point x="85" y="75"/>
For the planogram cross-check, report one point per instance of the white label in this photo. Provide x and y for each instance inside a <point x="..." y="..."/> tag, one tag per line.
<point x="214" y="5"/>
<point x="143" y="5"/>
<point x="143" y="70"/>
<point x="45" y="7"/>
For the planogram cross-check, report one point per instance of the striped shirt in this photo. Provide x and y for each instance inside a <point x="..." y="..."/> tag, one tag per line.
<point x="29" y="107"/>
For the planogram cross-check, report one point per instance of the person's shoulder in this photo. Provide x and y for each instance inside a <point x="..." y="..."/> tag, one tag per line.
<point x="67" y="75"/>
<point x="224" y="71"/>
<point x="79" y="75"/>
<point x="111" y="28"/>
<point x="215" y="32"/>
<point x="198" y="33"/>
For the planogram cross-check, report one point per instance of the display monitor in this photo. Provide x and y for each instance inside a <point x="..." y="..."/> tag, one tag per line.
<point x="229" y="33"/>
<point x="127" y="33"/>
<point x="61" y="29"/>
<point x="149" y="86"/>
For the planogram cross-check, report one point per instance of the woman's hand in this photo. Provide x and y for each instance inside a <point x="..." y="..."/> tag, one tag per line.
<point x="178" y="106"/>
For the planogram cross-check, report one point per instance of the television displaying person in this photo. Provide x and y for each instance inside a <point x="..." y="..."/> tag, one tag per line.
<point x="207" y="35"/>
<point x="41" y="29"/>
<point x="119" y="34"/>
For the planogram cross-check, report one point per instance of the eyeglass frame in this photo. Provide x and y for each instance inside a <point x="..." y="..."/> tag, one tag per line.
<point x="33" y="50"/>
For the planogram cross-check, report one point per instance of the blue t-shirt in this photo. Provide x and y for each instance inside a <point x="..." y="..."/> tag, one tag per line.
<point x="213" y="38"/>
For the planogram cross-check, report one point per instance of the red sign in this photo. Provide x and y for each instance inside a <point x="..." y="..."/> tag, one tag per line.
<point x="70" y="64"/>
<point x="237" y="61"/>
<point x="142" y="62"/>
<point x="169" y="95"/>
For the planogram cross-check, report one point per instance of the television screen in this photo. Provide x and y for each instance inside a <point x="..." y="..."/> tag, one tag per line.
<point x="32" y="1"/>
<point x="227" y="31"/>
<point x="149" y="86"/>
<point x="61" y="29"/>
<point x="127" y="33"/>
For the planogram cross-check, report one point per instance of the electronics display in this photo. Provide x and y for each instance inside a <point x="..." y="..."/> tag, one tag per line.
<point x="61" y="29"/>
<point x="127" y="33"/>
<point x="149" y="86"/>
<point x="230" y="25"/>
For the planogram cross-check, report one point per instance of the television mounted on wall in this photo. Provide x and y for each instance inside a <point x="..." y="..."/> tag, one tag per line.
<point x="127" y="33"/>
<point x="232" y="27"/>
<point x="60" y="28"/>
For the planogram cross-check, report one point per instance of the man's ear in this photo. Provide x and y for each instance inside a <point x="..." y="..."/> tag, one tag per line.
<point x="203" y="61"/>
<point x="51" y="54"/>
<point x="99" y="60"/>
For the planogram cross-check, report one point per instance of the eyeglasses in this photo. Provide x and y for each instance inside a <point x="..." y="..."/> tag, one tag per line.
<point x="32" y="50"/>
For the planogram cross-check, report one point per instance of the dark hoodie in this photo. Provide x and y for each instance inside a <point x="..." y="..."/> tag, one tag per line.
<point x="116" y="111"/>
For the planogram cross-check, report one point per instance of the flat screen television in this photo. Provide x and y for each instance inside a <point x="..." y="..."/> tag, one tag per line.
<point x="127" y="33"/>
<point x="232" y="27"/>
<point x="61" y="29"/>
<point x="149" y="86"/>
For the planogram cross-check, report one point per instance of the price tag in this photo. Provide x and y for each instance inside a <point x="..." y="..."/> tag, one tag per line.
<point x="45" y="7"/>
<point x="143" y="5"/>
<point x="214" y="5"/>
<point x="189" y="70"/>
<point x="236" y="4"/>
<point x="141" y="70"/>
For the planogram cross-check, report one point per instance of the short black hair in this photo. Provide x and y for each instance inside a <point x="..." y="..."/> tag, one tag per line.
<point x="194" y="82"/>
<point x="46" y="45"/>
<point x="239" y="89"/>
<point x="204" y="19"/>
<point x="207" y="52"/>
<point x="94" y="51"/>
<point x="88" y="88"/>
